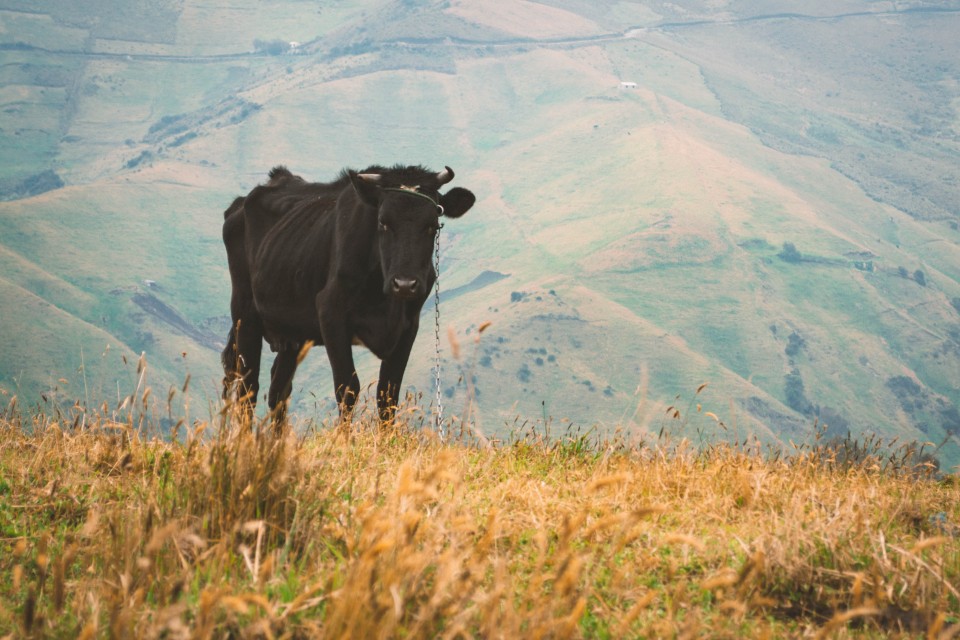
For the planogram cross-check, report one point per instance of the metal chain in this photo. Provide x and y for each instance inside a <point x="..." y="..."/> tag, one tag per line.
<point x="436" y="329"/>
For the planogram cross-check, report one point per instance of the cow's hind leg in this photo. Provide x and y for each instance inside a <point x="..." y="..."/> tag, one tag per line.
<point x="241" y="363"/>
<point x="281" y="381"/>
<point x="241" y="357"/>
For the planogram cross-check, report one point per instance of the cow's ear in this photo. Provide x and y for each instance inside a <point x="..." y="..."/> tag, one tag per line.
<point x="365" y="184"/>
<point x="457" y="202"/>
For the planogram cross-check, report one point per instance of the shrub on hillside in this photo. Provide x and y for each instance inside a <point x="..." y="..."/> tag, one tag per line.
<point x="789" y="253"/>
<point x="796" y="395"/>
<point x="275" y="47"/>
<point x="795" y="343"/>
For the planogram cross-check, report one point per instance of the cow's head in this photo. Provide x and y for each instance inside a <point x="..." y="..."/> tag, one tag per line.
<point x="408" y="219"/>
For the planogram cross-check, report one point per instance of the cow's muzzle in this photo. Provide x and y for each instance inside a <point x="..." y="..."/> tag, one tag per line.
<point x="405" y="287"/>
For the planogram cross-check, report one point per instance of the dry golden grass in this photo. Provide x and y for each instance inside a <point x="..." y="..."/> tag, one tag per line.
<point x="379" y="533"/>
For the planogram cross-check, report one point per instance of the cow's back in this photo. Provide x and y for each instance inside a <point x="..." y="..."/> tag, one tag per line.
<point x="289" y="237"/>
<point x="279" y="218"/>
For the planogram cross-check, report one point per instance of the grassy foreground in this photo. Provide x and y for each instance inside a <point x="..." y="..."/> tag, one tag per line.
<point x="231" y="532"/>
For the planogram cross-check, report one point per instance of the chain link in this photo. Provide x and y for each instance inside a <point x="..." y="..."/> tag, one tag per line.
<point x="436" y="330"/>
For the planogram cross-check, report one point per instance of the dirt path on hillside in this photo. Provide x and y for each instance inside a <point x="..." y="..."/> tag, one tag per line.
<point x="313" y="46"/>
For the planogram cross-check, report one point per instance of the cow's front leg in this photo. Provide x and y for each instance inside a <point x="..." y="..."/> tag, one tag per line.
<point x="346" y="382"/>
<point x="338" y="340"/>
<point x="391" y="376"/>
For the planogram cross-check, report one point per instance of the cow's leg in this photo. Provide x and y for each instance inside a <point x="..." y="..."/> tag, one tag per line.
<point x="241" y="356"/>
<point x="391" y="376"/>
<point x="281" y="381"/>
<point x="241" y="361"/>
<point x="338" y="340"/>
<point x="346" y="382"/>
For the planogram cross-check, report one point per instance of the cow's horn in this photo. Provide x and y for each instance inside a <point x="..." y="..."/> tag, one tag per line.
<point x="370" y="177"/>
<point x="445" y="176"/>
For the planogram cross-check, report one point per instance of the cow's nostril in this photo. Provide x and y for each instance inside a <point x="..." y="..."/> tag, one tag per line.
<point x="405" y="286"/>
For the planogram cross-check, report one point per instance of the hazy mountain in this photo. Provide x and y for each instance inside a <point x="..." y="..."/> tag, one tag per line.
<point x="758" y="195"/>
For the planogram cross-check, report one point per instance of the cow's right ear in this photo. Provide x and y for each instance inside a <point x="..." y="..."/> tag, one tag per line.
<point x="365" y="184"/>
<point x="457" y="202"/>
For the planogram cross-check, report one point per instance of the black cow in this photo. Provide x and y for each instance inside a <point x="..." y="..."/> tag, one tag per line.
<point x="340" y="263"/>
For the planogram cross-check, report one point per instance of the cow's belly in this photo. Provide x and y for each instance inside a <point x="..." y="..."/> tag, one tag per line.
<point x="374" y="333"/>
<point x="283" y="330"/>
<point x="287" y="314"/>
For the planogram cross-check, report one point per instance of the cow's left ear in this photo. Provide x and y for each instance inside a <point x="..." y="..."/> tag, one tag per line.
<point x="457" y="202"/>
<point x="365" y="184"/>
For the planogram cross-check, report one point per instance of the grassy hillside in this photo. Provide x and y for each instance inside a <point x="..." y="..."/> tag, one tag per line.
<point x="228" y="530"/>
<point x="643" y="232"/>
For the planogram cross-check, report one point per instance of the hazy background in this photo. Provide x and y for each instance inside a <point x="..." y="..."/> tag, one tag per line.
<point x="773" y="209"/>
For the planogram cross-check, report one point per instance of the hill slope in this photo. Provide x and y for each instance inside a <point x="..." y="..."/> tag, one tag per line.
<point x="771" y="209"/>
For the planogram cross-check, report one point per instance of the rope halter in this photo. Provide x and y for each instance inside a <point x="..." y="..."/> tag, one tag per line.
<point x="415" y="191"/>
